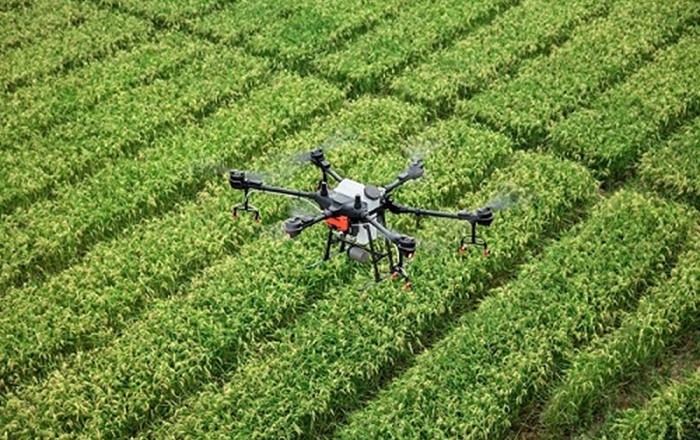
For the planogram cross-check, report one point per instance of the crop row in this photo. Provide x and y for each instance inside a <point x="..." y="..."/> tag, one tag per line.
<point x="597" y="55"/>
<point x="664" y="313"/>
<point x="164" y="12"/>
<point x="239" y="20"/>
<point x="317" y="26"/>
<point x="493" y="50"/>
<point x="54" y="231"/>
<point x="95" y="298"/>
<point x="49" y="235"/>
<point x="619" y="125"/>
<point x="340" y="350"/>
<point x="417" y="30"/>
<point x="127" y="122"/>
<point x="100" y="35"/>
<point x="673" y="413"/>
<point x="33" y="111"/>
<point x="474" y="382"/>
<point x="184" y="343"/>
<point x="673" y="168"/>
<point x="40" y="20"/>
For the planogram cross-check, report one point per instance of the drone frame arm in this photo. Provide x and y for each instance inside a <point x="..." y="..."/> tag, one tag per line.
<point x="395" y="208"/>
<point x="414" y="171"/>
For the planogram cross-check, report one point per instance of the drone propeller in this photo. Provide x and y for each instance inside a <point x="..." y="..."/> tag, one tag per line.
<point x="334" y="141"/>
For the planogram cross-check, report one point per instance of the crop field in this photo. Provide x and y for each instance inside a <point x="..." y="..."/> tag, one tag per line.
<point x="133" y="304"/>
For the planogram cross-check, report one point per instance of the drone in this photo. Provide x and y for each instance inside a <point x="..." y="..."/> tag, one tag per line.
<point x="355" y="214"/>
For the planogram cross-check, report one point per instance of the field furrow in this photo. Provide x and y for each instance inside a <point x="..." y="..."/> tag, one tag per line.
<point x="164" y="12"/>
<point x="175" y="167"/>
<point x="237" y="21"/>
<point x="632" y="117"/>
<point x="493" y="50"/>
<point x="116" y="280"/>
<point x="474" y="382"/>
<point x="661" y="317"/>
<point x="97" y="37"/>
<point x="34" y="111"/>
<point x="315" y="26"/>
<point x="126" y="123"/>
<point x="195" y="337"/>
<point x="299" y="386"/>
<point x="673" y="168"/>
<point x="597" y="55"/>
<point x="367" y="63"/>
<point x="673" y="413"/>
<point x="41" y="19"/>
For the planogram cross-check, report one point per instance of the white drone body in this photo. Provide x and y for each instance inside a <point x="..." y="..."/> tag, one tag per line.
<point x="348" y="188"/>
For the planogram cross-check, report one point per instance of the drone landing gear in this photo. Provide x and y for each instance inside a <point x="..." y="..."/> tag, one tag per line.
<point x="246" y="207"/>
<point x="369" y="253"/>
<point x="474" y="240"/>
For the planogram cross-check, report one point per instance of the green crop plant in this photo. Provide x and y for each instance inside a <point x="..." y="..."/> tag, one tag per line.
<point x="619" y="125"/>
<point x="33" y="111"/>
<point x="673" y="413"/>
<point x="493" y="50"/>
<point x="418" y="29"/>
<point x="673" y="169"/>
<point x="164" y="12"/>
<point x="237" y="21"/>
<point x="122" y="125"/>
<point x="661" y="316"/>
<point x="39" y="20"/>
<point x="117" y="279"/>
<point x="157" y="177"/>
<point x="318" y="26"/>
<point x="476" y="380"/>
<point x="262" y="257"/>
<point x="70" y="46"/>
<point x="597" y="55"/>
<point x="338" y="352"/>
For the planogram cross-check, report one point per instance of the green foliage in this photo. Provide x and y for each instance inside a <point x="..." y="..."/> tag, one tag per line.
<point x="39" y="20"/>
<point x="419" y="28"/>
<point x="673" y="413"/>
<point x="472" y="383"/>
<point x="630" y="118"/>
<point x="598" y="54"/>
<point x="493" y="50"/>
<point x="673" y="169"/>
<point x="230" y="306"/>
<point x="664" y="313"/>
<point x="127" y="122"/>
<point x="169" y="12"/>
<point x="33" y="111"/>
<point x="239" y="20"/>
<point x="319" y="26"/>
<point x="338" y="352"/>
<point x="47" y="234"/>
<point x="73" y="45"/>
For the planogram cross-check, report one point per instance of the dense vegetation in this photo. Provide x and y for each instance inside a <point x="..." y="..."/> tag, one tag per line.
<point x="132" y="305"/>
